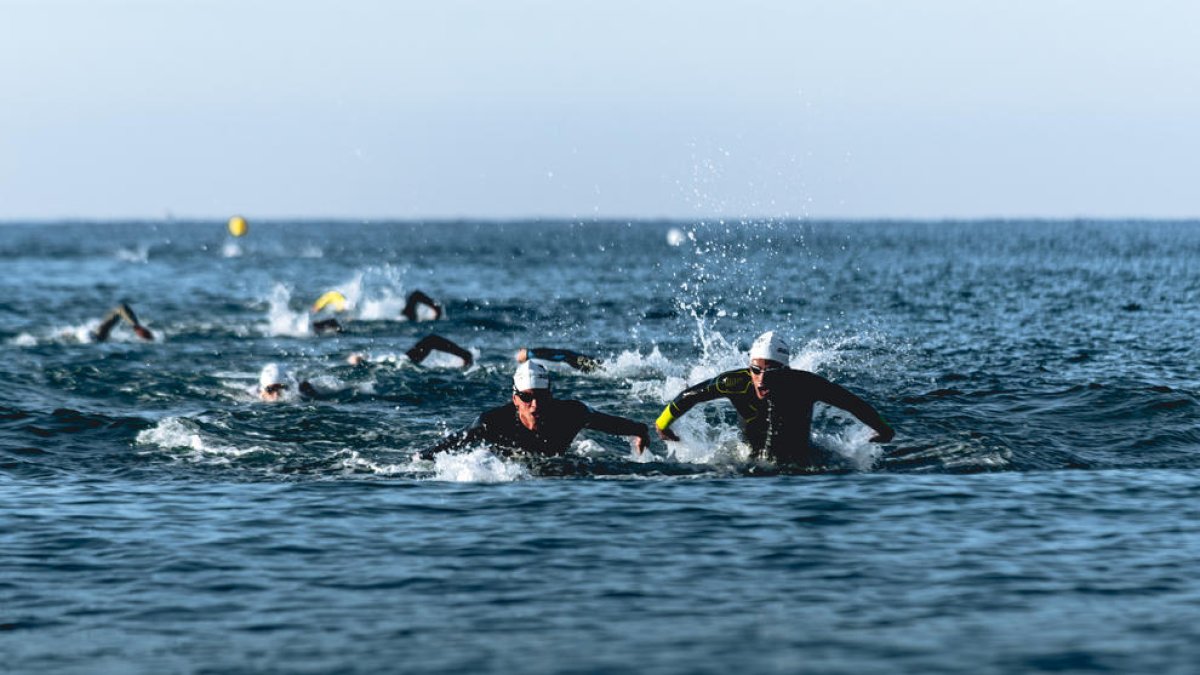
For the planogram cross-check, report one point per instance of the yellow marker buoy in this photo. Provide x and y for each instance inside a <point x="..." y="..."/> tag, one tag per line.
<point x="332" y="297"/>
<point x="238" y="226"/>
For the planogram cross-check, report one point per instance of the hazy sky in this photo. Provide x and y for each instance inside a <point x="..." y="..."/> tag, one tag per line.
<point x="610" y="109"/>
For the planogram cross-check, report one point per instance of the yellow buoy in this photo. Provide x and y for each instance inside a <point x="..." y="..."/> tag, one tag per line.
<point x="238" y="226"/>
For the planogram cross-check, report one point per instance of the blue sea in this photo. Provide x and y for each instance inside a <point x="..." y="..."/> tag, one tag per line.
<point x="1038" y="510"/>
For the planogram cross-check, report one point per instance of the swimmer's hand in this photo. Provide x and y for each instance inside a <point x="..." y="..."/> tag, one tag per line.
<point x="883" y="436"/>
<point x="642" y="443"/>
<point x="667" y="434"/>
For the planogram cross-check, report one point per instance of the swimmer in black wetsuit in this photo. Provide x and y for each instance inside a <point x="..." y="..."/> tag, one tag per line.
<point x="775" y="404"/>
<point x="121" y="311"/>
<point x="421" y="350"/>
<point x="337" y="302"/>
<point x="576" y="360"/>
<point x="535" y="423"/>
<point x="274" y="382"/>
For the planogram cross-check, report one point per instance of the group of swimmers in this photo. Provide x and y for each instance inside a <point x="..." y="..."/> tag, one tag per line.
<point x="774" y="402"/>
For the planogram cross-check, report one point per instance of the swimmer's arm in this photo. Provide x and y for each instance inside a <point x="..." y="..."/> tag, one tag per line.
<point x="431" y="342"/>
<point x="581" y="362"/>
<point x="620" y="426"/>
<point x="309" y="391"/>
<point x="126" y="313"/>
<point x="419" y="297"/>
<point x="840" y="397"/>
<point x="685" y="401"/>
<point x="106" y="326"/>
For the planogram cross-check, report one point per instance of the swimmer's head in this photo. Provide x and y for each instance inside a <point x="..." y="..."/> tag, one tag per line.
<point x="357" y="359"/>
<point x="143" y="333"/>
<point x="531" y="391"/>
<point x="769" y="354"/>
<point x="272" y="382"/>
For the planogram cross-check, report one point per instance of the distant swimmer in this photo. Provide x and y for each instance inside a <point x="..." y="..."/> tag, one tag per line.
<point x="421" y="351"/>
<point x="576" y="360"/>
<point x="121" y="311"/>
<point x="535" y="423"/>
<point x="274" y="382"/>
<point x="334" y="301"/>
<point x="337" y="302"/>
<point x="775" y="404"/>
<point x="415" y="300"/>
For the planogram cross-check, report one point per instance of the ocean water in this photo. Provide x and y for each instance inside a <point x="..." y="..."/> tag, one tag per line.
<point x="1037" y="510"/>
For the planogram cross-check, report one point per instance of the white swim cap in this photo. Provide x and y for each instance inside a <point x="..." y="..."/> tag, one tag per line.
<point x="272" y="373"/>
<point x="531" y="375"/>
<point x="771" y="347"/>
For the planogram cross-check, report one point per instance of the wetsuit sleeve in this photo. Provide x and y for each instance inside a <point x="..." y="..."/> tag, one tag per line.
<point x="472" y="435"/>
<point x="431" y="342"/>
<point x="840" y="397"/>
<point x="688" y="398"/>
<point x="121" y="311"/>
<point x="576" y="360"/>
<point x="420" y="298"/>
<point x="106" y="326"/>
<point x="613" y="424"/>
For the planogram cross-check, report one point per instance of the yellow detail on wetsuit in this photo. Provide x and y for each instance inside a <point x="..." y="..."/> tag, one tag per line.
<point x="735" y="383"/>
<point x="664" y="420"/>
<point x="332" y="297"/>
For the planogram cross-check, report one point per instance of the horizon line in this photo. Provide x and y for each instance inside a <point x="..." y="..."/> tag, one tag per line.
<point x="717" y="219"/>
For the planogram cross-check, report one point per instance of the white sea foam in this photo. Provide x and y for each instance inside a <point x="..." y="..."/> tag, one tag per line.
<point x="175" y="433"/>
<point x="356" y="463"/>
<point x="630" y="364"/>
<point x="477" y="466"/>
<point x="231" y="249"/>
<point x="140" y="254"/>
<point x="281" y="320"/>
<point x="852" y="443"/>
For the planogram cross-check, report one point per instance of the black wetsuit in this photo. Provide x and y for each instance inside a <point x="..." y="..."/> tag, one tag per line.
<point x="574" y="359"/>
<point x="560" y="421"/>
<point x="121" y="311"/>
<point x="429" y="343"/>
<point x="417" y="298"/>
<point x="777" y="427"/>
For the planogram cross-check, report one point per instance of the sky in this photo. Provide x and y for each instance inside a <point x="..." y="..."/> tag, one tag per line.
<point x="613" y="109"/>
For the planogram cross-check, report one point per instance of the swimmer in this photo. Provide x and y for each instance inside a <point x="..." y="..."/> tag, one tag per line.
<point x="274" y="382"/>
<point x="338" y="303"/>
<point x="576" y="360"/>
<point x="121" y="311"/>
<point x="421" y="351"/>
<point x="535" y="423"/>
<point x="775" y="404"/>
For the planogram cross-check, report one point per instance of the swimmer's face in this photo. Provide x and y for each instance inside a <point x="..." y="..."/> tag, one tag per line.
<point x="530" y="405"/>
<point x="272" y="392"/>
<point x="761" y="371"/>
